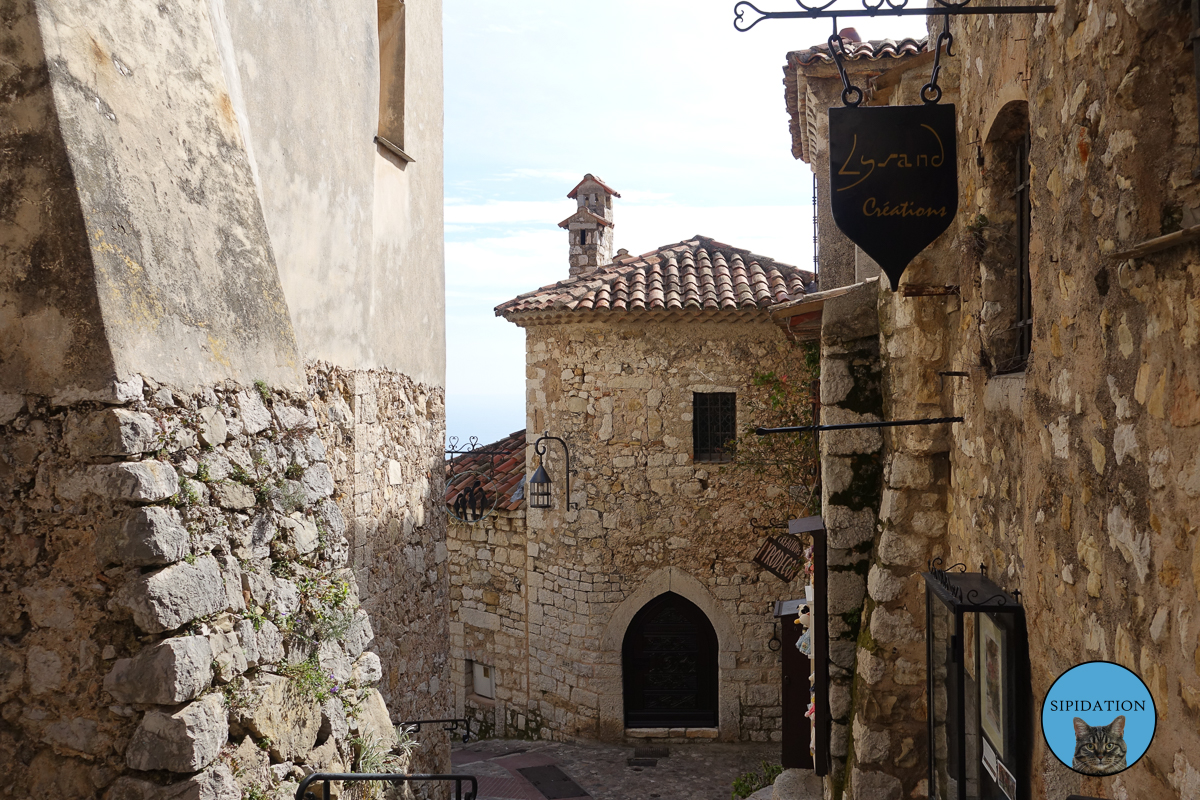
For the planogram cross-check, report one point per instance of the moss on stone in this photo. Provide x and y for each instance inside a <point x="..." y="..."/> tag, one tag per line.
<point x="865" y="486"/>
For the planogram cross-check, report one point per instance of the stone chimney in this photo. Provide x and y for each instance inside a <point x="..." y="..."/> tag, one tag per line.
<point x="590" y="228"/>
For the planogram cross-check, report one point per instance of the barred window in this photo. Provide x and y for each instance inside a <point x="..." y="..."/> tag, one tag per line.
<point x="714" y="425"/>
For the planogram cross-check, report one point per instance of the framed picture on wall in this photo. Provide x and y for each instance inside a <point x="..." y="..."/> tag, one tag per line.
<point x="991" y="682"/>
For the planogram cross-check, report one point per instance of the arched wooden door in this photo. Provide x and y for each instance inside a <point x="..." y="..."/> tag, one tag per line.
<point x="669" y="660"/>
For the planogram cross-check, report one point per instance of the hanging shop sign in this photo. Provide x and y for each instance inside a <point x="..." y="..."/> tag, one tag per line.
<point x="893" y="169"/>
<point x="893" y="176"/>
<point x="782" y="556"/>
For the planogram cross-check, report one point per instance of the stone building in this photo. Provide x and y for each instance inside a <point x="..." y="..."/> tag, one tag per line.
<point x="645" y="366"/>
<point x="221" y="392"/>
<point x="1070" y="333"/>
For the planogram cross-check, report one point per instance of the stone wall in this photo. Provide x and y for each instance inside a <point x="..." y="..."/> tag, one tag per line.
<point x="1074" y="479"/>
<point x="851" y="472"/>
<point x="649" y="520"/>
<point x="176" y="602"/>
<point x="384" y="433"/>
<point x="490" y="623"/>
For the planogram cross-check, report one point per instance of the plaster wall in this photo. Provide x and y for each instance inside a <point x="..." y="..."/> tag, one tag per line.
<point x="357" y="230"/>
<point x="134" y="241"/>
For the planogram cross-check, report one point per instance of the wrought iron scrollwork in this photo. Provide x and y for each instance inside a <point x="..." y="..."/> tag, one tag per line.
<point x="744" y="20"/>
<point x="940" y="575"/>
<point x="973" y="599"/>
<point x="770" y="526"/>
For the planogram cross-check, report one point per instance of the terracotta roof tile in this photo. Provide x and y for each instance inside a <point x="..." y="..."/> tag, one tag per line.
<point x="861" y="51"/>
<point x="696" y="276"/>
<point x="499" y="467"/>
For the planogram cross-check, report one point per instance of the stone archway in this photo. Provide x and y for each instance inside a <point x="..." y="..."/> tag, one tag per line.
<point x="610" y="684"/>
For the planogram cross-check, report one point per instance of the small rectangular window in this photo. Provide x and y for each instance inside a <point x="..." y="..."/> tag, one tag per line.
<point x="483" y="682"/>
<point x="714" y="425"/>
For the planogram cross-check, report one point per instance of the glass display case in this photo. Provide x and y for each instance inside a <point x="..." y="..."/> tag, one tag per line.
<point x="980" y="700"/>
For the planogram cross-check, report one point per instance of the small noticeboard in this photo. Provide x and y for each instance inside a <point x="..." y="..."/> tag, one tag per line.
<point x="782" y="556"/>
<point x="893" y="175"/>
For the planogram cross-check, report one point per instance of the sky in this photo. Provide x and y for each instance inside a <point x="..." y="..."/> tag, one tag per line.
<point x="662" y="99"/>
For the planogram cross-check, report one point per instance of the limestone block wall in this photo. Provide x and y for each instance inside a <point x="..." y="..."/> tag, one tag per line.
<point x="851" y="471"/>
<point x="1076" y="482"/>
<point x="490" y="622"/>
<point x="385" y="434"/>
<point x="1073" y="480"/>
<point x="177" y="610"/>
<point x="649" y="520"/>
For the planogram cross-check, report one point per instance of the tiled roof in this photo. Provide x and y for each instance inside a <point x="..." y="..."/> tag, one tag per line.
<point x="500" y="467"/>
<point x="590" y="177"/>
<point x="865" y="58"/>
<point x="698" y="277"/>
<point x="860" y="51"/>
<point x="583" y="215"/>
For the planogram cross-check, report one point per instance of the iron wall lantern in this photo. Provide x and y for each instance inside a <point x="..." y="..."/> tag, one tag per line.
<point x="980" y="713"/>
<point x="540" y="493"/>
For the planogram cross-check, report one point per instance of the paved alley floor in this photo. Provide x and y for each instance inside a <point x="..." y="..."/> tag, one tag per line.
<point x="516" y="770"/>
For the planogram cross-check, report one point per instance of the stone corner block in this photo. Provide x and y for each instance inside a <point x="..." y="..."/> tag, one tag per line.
<point x="175" y="595"/>
<point x="134" y="482"/>
<point x="374" y="720"/>
<point x="186" y="741"/>
<point x="169" y="672"/>
<point x="113" y="432"/>
<point x="360" y="634"/>
<point x="288" y="718"/>
<point x="874" y="786"/>
<point x="146" y="536"/>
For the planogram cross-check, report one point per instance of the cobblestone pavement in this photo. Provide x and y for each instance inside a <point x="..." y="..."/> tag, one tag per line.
<point x="603" y="771"/>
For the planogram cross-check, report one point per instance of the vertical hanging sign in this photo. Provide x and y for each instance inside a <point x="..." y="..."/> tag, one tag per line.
<point x="893" y="174"/>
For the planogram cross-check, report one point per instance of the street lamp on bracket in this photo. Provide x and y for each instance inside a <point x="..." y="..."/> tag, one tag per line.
<point x="540" y="492"/>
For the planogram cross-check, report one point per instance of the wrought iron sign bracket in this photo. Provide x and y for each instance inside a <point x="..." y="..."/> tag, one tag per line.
<point x="882" y="8"/>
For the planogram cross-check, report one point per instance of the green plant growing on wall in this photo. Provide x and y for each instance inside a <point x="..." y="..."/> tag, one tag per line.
<point x="375" y="758"/>
<point x="309" y="679"/>
<point x="264" y="391"/>
<point x="291" y="496"/>
<point x="750" y="782"/>
<point x="186" y="496"/>
<point x="789" y="461"/>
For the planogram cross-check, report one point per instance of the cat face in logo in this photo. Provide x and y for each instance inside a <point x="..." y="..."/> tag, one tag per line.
<point x="1100" y="749"/>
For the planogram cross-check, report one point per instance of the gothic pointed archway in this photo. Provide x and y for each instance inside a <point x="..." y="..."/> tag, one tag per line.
<point x="669" y="660"/>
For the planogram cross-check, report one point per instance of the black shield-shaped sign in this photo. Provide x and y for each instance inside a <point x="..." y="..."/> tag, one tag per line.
<point x="893" y="175"/>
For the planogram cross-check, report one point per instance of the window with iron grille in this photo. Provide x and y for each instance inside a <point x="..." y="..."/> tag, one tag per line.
<point x="714" y="425"/>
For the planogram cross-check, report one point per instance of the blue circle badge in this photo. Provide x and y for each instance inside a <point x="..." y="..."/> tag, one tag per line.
<point x="1098" y="718"/>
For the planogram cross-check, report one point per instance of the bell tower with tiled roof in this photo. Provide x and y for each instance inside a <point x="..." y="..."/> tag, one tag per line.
<point x="590" y="228"/>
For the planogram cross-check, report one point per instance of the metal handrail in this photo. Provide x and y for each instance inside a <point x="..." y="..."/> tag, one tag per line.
<point x="326" y="778"/>
<point x="451" y="725"/>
